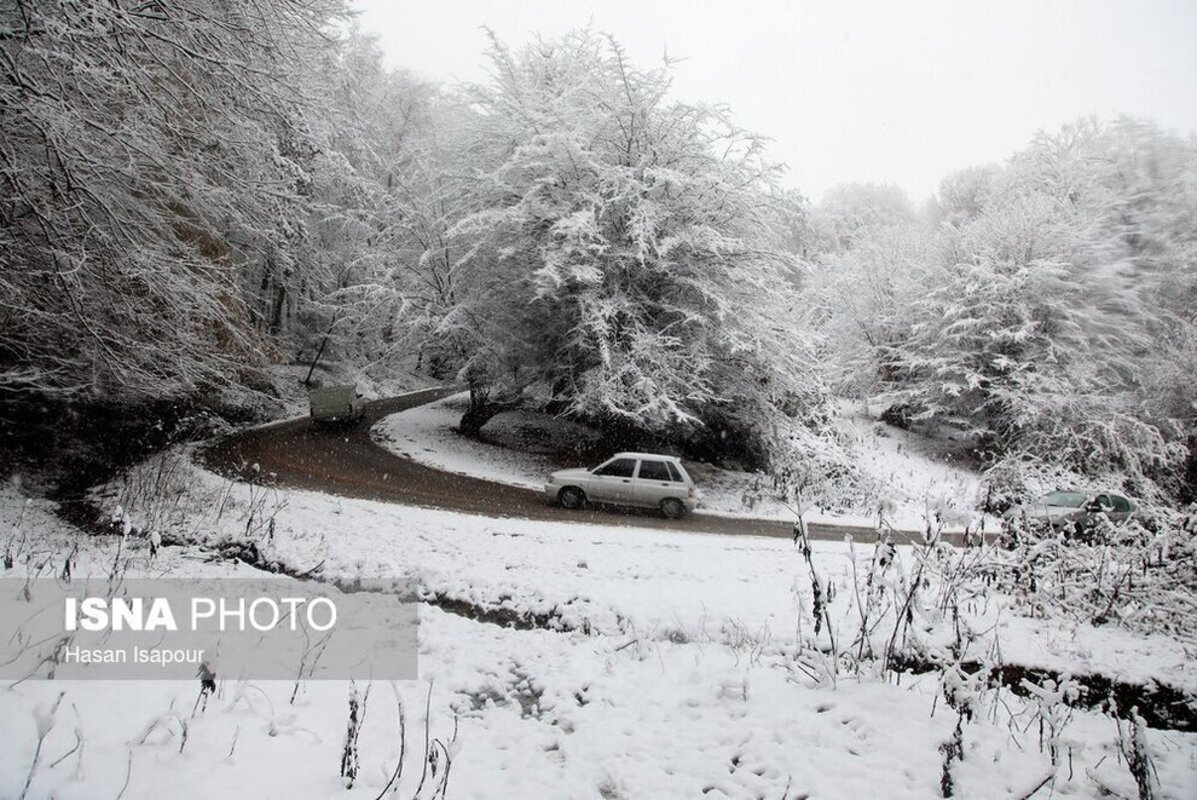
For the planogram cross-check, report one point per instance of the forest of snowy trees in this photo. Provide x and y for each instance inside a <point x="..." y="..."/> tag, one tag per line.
<point x="194" y="194"/>
<point x="1044" y="310"/>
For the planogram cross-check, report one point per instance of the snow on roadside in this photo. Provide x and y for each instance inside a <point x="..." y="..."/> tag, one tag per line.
<point x="677" y="693"/>
<point x="914" y="472"/>
<point x="40" y="544"/>
<point x="428" y="434"/>
<point x="659" y="585"/>
<point x="545" y="715"/>
<point x="917" y="481"/>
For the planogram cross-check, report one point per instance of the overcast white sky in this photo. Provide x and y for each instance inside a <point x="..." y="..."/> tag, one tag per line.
<point x="900" y="92"/>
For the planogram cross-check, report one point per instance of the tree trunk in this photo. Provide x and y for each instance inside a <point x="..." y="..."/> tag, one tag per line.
<point x="276" y="317"/>
<point x="480" y="412"/>
<point x="475" y="417"/>
<point x="323" y="343"/>
<point x="558" y="402"/>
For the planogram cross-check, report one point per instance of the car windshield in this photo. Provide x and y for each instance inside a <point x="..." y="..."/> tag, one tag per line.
<point x="1066" y="499"/>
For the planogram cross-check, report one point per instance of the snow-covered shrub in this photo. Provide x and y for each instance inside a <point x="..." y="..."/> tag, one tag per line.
<point x="817" y="468"/>
<point x="1051" y="702"/>
<point x="167" y="499"/>
<point x="1090" y="438"/>
<point x="1140" y="574"/>
<point x="1006" y="484"/>
<point x="349" y="750"/>
<point x="963" y="694"/>
<point x="1132" y="743"/>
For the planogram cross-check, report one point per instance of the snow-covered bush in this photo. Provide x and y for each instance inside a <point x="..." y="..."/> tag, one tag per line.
<point x="1017" y="478"/>
<point x="166" y="498"/>
<point x="817" y="468"/>
<point x="1139" y="574"/>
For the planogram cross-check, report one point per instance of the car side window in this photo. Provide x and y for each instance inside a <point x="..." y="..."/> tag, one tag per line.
<point x="619" y="468"/>
<point x="654" y="471"/>
<point x="674" y="472"/>
<point x="1121" y="504"/>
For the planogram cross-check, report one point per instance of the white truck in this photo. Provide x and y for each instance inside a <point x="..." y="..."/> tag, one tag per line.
<point x="332" y="405"/>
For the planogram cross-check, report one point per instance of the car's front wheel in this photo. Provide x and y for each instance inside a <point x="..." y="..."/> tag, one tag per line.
<point x="672" y="508"/>
<point x="571" y="497"/>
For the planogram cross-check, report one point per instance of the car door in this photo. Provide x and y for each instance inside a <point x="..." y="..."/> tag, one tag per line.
<point x="1121" y="508"/>
<point x="654" y="482"/>
<point x="1097" y="506"/>
<point x="612" y="482"/>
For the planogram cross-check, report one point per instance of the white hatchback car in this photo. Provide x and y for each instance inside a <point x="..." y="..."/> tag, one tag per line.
<point x="644" y="480"/>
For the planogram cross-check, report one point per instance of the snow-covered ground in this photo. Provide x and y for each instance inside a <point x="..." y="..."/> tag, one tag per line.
<point x="914" y="479"/>
<point x="428" y="434"/>
<point x="670" y="675"/>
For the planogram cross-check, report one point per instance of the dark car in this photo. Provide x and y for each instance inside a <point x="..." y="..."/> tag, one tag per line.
<point x="1071" y="510"/>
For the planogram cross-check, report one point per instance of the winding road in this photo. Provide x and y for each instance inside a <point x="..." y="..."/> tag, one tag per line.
<point x="345" y="461"/>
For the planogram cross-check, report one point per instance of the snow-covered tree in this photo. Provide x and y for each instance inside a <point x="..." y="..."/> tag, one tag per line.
<point x="626" y="259"/>
<point x="850" y="212"/>
<point x="153" y="182"/>
<point x="861" y="299"/>
<point x="962" y="195"/>
<point x="373" y="128"/>
<point x="1051" y="316"/>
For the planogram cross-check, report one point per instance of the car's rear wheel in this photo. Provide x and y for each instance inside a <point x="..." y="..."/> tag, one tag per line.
<point x="571" y="497"/>
<point x="672" y="508"/>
